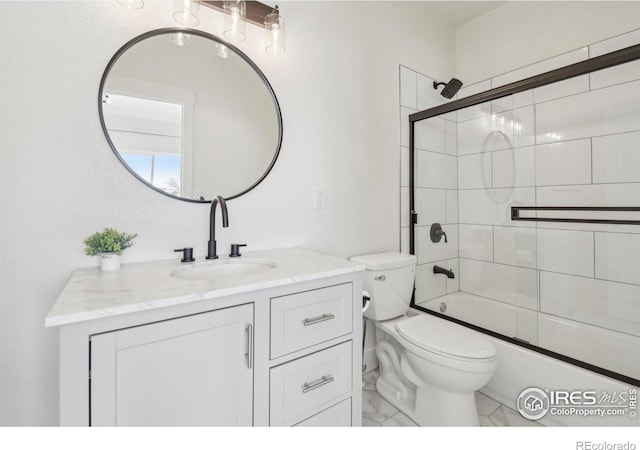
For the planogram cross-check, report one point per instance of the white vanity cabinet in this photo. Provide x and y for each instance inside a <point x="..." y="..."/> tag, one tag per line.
<point x="193" y="370"/>
<point x="276" y="350"/>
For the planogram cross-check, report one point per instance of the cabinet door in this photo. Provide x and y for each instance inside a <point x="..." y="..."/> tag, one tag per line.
<point x="189" y="371"/>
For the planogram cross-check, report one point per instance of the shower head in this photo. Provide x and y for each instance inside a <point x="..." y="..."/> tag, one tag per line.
<point x="450" y="89"/>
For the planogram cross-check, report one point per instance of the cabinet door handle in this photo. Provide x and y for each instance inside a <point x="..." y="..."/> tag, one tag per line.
<point x="249" y="354"/>
<point x="326" y="379"/>
<point x="318" y="319"/>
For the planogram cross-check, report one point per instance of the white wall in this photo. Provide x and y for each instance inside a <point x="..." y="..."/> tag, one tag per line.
<point x="520" y="33"/>
<point x="60" y="182"/>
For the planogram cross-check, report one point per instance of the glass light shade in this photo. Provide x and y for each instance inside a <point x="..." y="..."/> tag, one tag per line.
<point x="132" y="4"/>
<point x="185" y="12"/>
<point x="235" y="20"/>
<point x="274" y="34"/>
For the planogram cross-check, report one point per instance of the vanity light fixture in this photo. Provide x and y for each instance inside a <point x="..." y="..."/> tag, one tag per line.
<point x="185" y="12"/>
<point x="258" y="14"/>
<point x="274" y="33"/>
<point x="235" y="20"/>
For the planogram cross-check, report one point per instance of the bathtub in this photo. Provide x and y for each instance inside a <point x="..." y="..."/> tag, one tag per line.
<point x="518" y="367"/>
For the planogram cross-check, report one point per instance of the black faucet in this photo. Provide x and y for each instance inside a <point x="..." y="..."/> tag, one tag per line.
<point x="448" y="273"/>
<point x="211" y="253"/>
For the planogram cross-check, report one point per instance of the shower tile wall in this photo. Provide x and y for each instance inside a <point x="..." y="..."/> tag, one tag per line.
<point x="570" y="288"/>
<point x="436" y="179"/>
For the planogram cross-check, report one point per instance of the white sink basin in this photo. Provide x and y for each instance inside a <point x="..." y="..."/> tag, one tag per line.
<point x="223" y="269"/>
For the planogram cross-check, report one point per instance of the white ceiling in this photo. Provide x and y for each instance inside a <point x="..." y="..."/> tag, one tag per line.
<point x="458" y="13"/>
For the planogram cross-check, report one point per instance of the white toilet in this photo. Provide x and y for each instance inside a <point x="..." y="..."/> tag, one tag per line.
<point x="429" y="367"/>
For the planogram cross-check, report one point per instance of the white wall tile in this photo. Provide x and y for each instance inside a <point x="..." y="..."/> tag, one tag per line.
<point x="476" y="242"/>
<point x="453" y="284"/>
<point x="577" y="117"/>
<point x="514" y="285"/>
<point x="430" y="135"/>
<point x="523" y="99"/>
<point x="514" y="167"/>
<point x="474" y="171"/>
<point x="428" y="251"/>
<point x="560" y="89"/>
<point x="408" y="88"/>
<point x="404" y="166"/>
<point x="527" y="325"/>
<point x="436" y="170"/>
<point x="616" y="158"/>
<point x="615" y="75"/>
<point x="523" y="126"/>
<point x="478" y="110"/>
<point x="430" y="204"/>
<point x="502" y="104"/>
<point x="404" y="207"/>
<point x="618" y="352"/>
<point x="618" y="74"/>
<point x="602" y="303"/>
<point x="451" y="137"/>
<point x="515" y="246"/>
<point x="614" y="43"/>
<point x="541" y="67"/>
<point x="563" y="163"/>
<point x="492" y="206"/>
<point x="622" y="194"/>
<point x="452" y="206"/>
<point x="617" y="257"/>
<point x="566" y="251"/>
<point x="404" y="125"/>
<point x="428" y="284"/>
<point x="485" y="134"/>
<point x="404" y="240"/>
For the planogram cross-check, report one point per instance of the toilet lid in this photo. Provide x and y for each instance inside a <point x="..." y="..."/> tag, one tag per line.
<point x="441" y="336"/>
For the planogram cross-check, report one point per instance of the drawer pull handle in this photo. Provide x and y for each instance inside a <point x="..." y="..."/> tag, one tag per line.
<point x="318" y="319"/>
<point x="326" y="379"/>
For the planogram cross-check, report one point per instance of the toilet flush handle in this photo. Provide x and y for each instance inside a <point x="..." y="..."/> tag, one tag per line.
<point x="380" y="278"/>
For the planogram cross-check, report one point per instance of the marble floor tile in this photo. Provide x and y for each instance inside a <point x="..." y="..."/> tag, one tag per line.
<point x="485" y="421"/>
<point x="399" y="419"/>
<point x="507" y="417"/>
<point x="485" y="405"/>
<point x="375" y="407"/>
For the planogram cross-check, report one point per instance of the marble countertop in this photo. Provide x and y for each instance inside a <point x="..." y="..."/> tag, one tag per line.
<point x="92" y="293"/>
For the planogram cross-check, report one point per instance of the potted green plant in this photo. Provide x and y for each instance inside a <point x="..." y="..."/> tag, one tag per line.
<point x="109" y="245"/>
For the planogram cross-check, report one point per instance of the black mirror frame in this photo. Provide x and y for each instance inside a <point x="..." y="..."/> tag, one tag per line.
<point x="215" y="39"/>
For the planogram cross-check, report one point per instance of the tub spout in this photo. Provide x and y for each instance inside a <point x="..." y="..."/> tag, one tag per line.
<point x="448" y="273"/>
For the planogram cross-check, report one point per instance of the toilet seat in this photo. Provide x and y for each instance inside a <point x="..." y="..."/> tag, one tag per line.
<point x="441" y="337"/>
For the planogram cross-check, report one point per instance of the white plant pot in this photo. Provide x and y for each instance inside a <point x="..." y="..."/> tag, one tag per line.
<point x="110" y="261"/>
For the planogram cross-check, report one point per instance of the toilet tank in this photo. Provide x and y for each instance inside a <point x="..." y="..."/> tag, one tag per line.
<point x="389" y="279"/>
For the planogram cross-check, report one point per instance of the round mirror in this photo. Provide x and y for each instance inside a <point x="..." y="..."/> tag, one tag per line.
<point x="190" y="115"/>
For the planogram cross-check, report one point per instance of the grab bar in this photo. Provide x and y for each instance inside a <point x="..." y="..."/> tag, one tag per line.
<point x="515" y="214"/>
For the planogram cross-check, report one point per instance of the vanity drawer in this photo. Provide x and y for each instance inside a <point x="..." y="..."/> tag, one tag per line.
<point x="301" y="385"/>
<point x="335" y="416"/>
<point x="307" y="318"/>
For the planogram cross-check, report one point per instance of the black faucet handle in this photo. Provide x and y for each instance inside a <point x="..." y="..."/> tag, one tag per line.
<point x="235" y="250"/>
<point x="187" y="254"/>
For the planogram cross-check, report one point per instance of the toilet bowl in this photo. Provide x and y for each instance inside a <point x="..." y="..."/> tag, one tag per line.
<point x="429" y="367"/>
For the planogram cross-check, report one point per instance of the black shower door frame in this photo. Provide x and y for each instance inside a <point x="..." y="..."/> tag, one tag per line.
<point x="605" y="61"/>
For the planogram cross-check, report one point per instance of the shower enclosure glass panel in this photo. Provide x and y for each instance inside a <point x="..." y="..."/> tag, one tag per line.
<point x="571" y="288"/>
